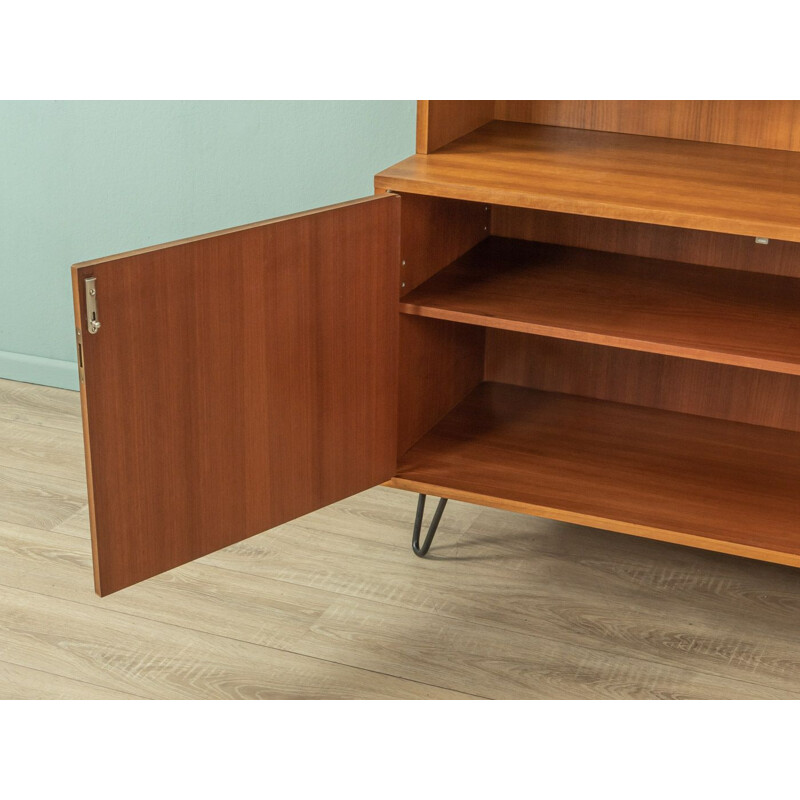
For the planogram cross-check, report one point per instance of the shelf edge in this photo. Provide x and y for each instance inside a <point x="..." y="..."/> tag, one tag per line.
<point x="672" y="218"/>
<point x="607" y="340"/>
<point x="617" y="526"/>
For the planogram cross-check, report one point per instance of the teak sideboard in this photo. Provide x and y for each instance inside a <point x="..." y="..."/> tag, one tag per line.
<point x="581" y="310"/>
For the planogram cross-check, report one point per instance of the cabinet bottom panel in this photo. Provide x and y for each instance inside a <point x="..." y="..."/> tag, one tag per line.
<point x="708" y="483"/>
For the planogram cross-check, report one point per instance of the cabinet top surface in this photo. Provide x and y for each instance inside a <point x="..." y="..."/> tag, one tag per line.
<point x="714" y="187"/>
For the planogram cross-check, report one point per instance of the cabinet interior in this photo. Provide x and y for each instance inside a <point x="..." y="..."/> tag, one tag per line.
<point x="629" y="376"/>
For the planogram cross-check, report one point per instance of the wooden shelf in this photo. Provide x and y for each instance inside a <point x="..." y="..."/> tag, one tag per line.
<point x="719" y="315"/>
<point x="712" y="187"/>
<point x="687" y="479"/>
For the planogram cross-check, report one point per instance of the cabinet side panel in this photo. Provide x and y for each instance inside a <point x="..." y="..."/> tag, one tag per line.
<point x="772" y="124"/>
<point x="440" y="364"/>
<point x="644" y="379"/>
<point x="434" y="232"/>
<point x="650" y="241"/>
<point x="441" y="121"/>
<point x="423" y="107"/>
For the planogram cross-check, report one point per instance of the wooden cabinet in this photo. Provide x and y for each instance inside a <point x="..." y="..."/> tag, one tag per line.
<point x="588" y="311"/>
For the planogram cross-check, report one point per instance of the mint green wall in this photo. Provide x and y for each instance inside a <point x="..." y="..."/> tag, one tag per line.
<point x="81" y="180"/>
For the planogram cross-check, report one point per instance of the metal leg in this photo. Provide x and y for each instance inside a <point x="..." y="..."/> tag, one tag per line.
<point x="437" y="515"/>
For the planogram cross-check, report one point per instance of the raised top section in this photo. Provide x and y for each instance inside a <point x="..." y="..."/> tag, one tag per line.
<point x="753" y="123"/>
<point x="713" y="187"/>
<point x="773" y="124"/>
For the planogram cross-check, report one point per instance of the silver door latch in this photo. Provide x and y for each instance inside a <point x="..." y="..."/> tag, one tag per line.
<point x="91" y="305"/>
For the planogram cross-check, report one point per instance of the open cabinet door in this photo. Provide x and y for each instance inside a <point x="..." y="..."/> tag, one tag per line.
<point x="235" y="382"/>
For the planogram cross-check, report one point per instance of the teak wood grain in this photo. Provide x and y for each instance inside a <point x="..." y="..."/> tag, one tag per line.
<point x="440" y="363"/>
<point x="434" y="232"/>
<point x="772" y="124"/>
<point x="441" y="121"/>
<point x="737" y="394"/>
<point x="680" y="478"/>
<point x="723" y="316"/>
<point x="713" y="187"/>
<point x="239" y="380"/>
<point x="650" y="241"/>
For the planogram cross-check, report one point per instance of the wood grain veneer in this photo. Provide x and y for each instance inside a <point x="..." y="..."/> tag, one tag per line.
<point x="713" y="187"/>
<point x="440" y="363"/>
<point x="239" y="380"/>
<point x="435" y="232"/>
<point x="651" y="241"/>
<point x="771" y="124"/>
<point x="643" y="379"/>
<point x="724" y="316"/>
<point x="687" y="479"/>
<point x="441" y="121"/>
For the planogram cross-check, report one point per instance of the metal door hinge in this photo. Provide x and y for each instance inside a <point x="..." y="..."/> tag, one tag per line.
<point x="91" y="305"/>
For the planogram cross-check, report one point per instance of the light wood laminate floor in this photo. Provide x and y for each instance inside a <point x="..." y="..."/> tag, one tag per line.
<point x="335" y="605"/>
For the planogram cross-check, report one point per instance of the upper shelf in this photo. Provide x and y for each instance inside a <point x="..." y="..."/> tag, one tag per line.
<point x="721" y="315"/>
<point x="713" y="187"/>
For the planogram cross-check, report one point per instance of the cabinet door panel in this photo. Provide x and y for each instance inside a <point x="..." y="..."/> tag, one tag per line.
<point x="237" y="381"/>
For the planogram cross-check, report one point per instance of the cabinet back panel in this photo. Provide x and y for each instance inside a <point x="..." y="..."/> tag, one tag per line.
<point x="650" y="241"/>
<point x="772" y="124"/>
<point x="440" y="364"/>
<point x="644" y="379"/>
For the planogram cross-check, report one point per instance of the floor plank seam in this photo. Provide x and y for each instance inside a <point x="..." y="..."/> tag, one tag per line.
<point x="96" y="686"/>
<point x="240" y="641"/>
<point x="484" y="624"/>
<point x="37" y="425"/>
<point x="589" y="647"/>
<point x="392" y="675"/>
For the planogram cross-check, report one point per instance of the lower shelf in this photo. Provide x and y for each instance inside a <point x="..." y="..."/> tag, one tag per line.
<point x="707" y="483"/>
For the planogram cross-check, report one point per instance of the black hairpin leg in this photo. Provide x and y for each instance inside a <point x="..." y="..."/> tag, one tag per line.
<point x="437" y="515"/>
